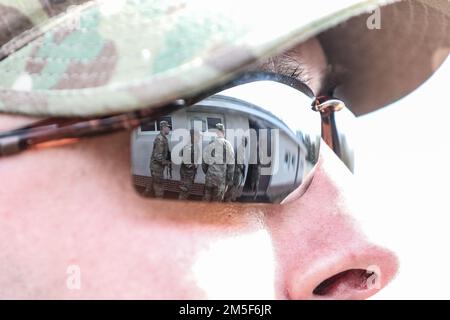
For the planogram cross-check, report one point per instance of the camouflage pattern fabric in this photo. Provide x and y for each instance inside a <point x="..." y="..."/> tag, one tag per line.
<point x="214" y="192"/>
<point x="60" y="57"/>
<point x="239" y="172"/>
<point x="158" y="162"/>
<point x="157" y="188"/>
<point x="188" y="171"/>
<point x="160" y="150"/>
<point x="233" y="189"/>
<point x="218" y="169"/>
<point x="187" y="178"/>
<point x="254" y="170"/>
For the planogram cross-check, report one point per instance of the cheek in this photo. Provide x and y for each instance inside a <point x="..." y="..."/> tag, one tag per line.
<point x="70" y="206"/>
<point x="41" y="178"/>
<point x="75" y="205"/>
<point x="58" y="209"/>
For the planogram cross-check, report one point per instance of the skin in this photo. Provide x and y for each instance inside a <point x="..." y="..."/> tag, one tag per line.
<point x="220" y="134"/>
<point x="74" y="205"/>
<point x="166" y="130"/>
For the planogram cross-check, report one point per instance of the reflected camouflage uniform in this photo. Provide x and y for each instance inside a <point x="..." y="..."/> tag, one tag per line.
<point x="238" y="176"/>
<point x="254" y="170"/>
<point x="188" y="170"/>
<point x="217" y="174"/>
<point x="158" y="162"/>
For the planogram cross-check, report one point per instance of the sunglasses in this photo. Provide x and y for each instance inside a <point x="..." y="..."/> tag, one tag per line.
<point x="253" y="139"/>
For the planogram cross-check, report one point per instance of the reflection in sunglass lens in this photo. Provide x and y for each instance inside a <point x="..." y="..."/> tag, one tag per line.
<point x="255" y="142"/>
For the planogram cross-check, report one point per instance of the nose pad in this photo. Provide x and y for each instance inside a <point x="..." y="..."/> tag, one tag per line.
<point x="323" y="253"/>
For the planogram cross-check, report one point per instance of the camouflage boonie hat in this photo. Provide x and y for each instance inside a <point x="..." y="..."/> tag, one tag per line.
<point x="86" y="58"/>
<point x="163" y="124"/>
<point x="220" y="127"/>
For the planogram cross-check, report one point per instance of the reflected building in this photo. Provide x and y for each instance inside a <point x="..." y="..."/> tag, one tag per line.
<point x="273" y="157"/>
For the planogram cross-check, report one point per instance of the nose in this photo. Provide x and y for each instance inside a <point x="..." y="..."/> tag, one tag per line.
<point x="322" y="252"/>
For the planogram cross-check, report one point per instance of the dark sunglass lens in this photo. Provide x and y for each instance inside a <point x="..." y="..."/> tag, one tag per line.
<point x="255" y="142"/>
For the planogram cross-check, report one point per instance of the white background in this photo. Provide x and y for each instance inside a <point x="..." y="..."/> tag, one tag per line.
<point x="403" y="162"/>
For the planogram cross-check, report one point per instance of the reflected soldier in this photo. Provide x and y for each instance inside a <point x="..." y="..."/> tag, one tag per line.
<point x="255" y="175"/>
<point x="160" y="159"/>
<point x="191" y="158"/>
<point x="254" y="170"/>
<point x="218" y="168"/>
<point x="239" y="173"/>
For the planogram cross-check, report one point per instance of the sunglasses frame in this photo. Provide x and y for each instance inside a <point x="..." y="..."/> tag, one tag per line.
<point x="58" y="131"/>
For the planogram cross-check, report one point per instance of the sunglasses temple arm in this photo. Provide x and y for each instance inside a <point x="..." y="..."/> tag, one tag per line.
<point x="46" y="137"/>
<point x="329" y="131"/>
<point x="50" y="135"/>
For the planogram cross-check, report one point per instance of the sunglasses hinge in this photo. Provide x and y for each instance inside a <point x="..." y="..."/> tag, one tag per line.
<point x="327" y="105"/>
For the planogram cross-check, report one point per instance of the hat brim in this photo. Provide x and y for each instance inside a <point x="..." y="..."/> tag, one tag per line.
<point x="107" y="57"/>
<point x="377" y="67"/>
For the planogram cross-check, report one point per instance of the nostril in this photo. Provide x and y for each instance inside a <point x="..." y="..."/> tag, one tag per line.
<point x="345" y="283"/>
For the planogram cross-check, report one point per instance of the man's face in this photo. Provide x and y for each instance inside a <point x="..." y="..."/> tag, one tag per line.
<point x="166" y="130"/>
<point x="220" y="134"/>
<point x="71" y="213"/>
